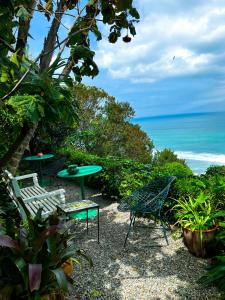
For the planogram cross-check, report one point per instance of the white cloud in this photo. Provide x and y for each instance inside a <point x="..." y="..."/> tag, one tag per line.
<point x="173" y="39"/>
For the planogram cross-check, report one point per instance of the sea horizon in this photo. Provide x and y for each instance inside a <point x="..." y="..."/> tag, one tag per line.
<point x="198" y="137"/>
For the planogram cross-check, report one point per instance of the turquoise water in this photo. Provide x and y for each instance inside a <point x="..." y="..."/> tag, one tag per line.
<point x="198" y="138"/>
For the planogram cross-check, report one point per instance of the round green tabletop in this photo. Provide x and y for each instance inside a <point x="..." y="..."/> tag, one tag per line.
<point x="36" y="157"/>
<point x="83" y="171"/>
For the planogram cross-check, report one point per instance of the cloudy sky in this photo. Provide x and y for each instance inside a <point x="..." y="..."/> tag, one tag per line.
<point x="176" y="62"/>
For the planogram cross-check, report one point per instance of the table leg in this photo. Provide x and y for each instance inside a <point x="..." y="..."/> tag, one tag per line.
<point x="82" y="188"/>
<point x="87" y="221"/>
<point x="98" y="225"/>
<point x="40" y="172"/>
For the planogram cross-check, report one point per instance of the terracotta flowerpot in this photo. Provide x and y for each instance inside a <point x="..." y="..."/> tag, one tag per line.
<point x="68" y="267"/>
<point x="200" y="243"/>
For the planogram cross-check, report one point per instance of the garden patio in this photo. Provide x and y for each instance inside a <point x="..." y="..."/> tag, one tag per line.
<point x="146" y="269"/>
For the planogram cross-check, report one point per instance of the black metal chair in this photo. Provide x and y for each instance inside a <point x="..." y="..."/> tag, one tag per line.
<point x="148" y="200"/>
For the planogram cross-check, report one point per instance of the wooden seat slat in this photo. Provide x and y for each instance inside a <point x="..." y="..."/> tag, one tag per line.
<point x="35" y="197"/>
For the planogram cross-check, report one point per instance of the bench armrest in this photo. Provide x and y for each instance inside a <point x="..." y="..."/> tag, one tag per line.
<point x="32" y="175"/>
<point x="60" y="193"/>
<point x="26" y="176"/>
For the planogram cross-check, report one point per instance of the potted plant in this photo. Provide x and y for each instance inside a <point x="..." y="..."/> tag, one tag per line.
<point x="32" y="258"/>
<point x="200" y="222"/>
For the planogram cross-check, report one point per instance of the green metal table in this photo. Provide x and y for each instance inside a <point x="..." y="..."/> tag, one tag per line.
<point x="83" y="171"/>
<point x="39" y="159"/>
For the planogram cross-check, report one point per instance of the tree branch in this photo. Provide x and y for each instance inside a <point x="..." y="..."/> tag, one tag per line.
<point x="7" y="45"/>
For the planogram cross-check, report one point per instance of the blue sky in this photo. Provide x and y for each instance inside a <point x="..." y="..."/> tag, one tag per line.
<point x="145" y="72"/>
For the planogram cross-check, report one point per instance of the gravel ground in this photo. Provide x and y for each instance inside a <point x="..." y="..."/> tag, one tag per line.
<point x="147" y="269"/>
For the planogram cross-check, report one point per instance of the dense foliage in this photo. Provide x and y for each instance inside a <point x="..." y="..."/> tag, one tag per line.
<point x="215" y="274"/>
<point x="120" y="177"/>
<point x="32" y="255"/>
<point x="37" y="89"/>
<point x="104" y="128"/>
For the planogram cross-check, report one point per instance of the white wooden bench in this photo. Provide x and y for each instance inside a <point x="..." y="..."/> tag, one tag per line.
<point x="34" y="196"/>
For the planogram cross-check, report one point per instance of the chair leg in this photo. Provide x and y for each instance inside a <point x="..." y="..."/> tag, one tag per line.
<point x="132" y="219"/>
<point x="164" y="233"/>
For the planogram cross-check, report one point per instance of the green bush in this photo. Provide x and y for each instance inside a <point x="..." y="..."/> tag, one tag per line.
<point x="215" y="186"/>
<point x="166" y="156"/>
<point x="172" y="169"/>
<point x="119" y="177"/>
<point x="215" y="170"/>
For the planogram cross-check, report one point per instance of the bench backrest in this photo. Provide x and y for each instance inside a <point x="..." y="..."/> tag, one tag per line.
<point x="10" y="186"/>
<point x="33" y="196"/>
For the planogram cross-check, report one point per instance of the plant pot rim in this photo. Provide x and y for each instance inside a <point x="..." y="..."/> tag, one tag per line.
<point x="205" y="230"/>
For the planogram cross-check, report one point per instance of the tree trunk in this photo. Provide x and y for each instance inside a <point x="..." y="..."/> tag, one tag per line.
<point x="24" y="26"/>
<point x="12" y="158"/>
<point x="50" y="41"/>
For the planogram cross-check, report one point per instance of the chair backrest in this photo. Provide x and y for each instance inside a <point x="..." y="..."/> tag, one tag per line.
<point x="148" y="198"/>
<point x="157" y="194"/>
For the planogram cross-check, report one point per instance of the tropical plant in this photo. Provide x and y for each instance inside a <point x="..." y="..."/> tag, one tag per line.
<point x="198" y="213"/>
<point x="199" y="220"/>
<point x="31" y="259"/>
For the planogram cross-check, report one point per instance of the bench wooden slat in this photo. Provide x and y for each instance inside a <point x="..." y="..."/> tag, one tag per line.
<point x="35" y="197"/>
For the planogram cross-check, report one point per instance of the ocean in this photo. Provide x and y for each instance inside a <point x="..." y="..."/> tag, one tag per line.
<point x="199" y="138"/>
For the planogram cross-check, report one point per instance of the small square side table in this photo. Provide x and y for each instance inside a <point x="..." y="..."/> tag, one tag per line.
<point x="73" y="208"/>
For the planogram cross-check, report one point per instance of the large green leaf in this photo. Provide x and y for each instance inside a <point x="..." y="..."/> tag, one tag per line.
<point x="31" y="107"/>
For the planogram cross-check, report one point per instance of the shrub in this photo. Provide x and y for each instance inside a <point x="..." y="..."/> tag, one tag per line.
<point x="166" y="156"/>
<point x="215" y="186"/>
<point x="215" y="170"/>
<point x="172" y="169"/>
<point x="119" y="177"/>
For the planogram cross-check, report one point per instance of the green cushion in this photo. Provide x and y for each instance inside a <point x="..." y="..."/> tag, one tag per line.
<point x="83" y="214"/>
